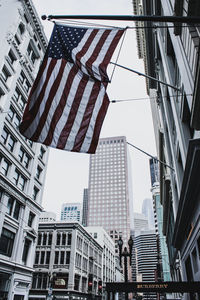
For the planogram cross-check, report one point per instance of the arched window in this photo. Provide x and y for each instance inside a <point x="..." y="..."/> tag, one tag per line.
<point x="21" y="28"/>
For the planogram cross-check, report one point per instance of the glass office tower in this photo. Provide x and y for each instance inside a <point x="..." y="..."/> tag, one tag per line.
<point x="110" y="192"/>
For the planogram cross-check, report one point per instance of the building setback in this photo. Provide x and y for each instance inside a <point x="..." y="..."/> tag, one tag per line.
<point x="172" y="55"/>
<point x="109" y="194"/>
<point x="108" y="263"/>
<point x="67" y="259"/>
<point x="22" y="163"/>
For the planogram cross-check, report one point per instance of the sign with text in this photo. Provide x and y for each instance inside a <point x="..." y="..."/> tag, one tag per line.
<point x="160" y="287"/>
<point x="60" y="283"/>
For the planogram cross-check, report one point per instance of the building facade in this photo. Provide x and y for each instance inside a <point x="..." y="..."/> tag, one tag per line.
<point x="147" y="210"/>
<point x="145" y="244"/>
<point x="22" y="163"/>
<point x="172" y="55"/>
<point x="71" y="212"/>
<point x="68" y="262"/>
<point x="158" y="215"/>
<point x="85" y="207"/>
<point x="106" y="242"/>
<point x="47" y="216"/>
<point x="140" y="222"/>
<point x="110" y="193"/>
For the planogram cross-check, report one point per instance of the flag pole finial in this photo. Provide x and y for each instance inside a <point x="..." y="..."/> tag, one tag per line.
<point x="44" y="17"/>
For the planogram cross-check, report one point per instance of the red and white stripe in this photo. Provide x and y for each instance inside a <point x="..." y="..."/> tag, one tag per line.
<point x="68" y="102"/>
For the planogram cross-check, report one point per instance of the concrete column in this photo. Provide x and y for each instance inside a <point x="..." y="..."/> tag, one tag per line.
<point x="72" y="261"/>
<point x="3" y="209"/>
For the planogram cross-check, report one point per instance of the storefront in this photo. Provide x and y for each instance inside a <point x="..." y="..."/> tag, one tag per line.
<point x="4" y="285"/>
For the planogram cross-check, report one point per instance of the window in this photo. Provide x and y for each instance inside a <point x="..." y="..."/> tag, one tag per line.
<point x="19" y="180"/>
<point x="63" y="239"/>
<point x="17" y="40"/>
<point x="30" y="218"/>
<point x="58" y="239"/>
<point x="62" y="257"/>
<point x="24" y="81"/>
<point x="47" y="257"/>
<point x="22" y="102"/>
<point x="67" y="259"/>
<point x="16" y="121"/>
<point x="11" y="113"/>
<point x="42" y="152"/>
<point x="21" y="28"/>
<point x="19" y="98"/>
<point x="27" y="244"/>
<point x="16" y="210"/>
<point x="5" y="74"/>
<point x="39" y="239"/>
<point x="4" y="136"/>
<point x="69" y="239"/>
<point x="10" y="206"/>
<point x="50" y="239"/>
<point x="32" y="55"/>
<point x="16" y="94"/>
<point x="6" y="242"/>
<point x="35" y="192"/>
<point x="38" y="172"/>
<point x="42" y="257"/>
<point x="11" y="143"/>
<point x="44" y="239"/>
<point x="30" y="143"/>
<point x="18" y="297"/>
<point x="11" y="57"/>
<point x="7" y="139"/>
<point x="1" y="93"/>
<point x="37" y="254"/>
<point x="56" y="257"/>
<point x="13" y="208"/>
<point x="24" y="157"/>
<point x="4" y="167"/>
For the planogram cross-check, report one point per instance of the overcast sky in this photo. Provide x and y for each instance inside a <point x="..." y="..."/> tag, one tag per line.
<point x="67" y="172"/>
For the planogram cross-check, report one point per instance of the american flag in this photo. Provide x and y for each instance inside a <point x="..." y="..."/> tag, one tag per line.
<point x="68" y="101"/>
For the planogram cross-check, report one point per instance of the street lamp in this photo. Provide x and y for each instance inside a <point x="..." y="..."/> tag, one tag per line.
<point x="125" y="253"/>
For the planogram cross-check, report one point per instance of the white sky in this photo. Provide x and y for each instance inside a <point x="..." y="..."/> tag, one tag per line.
<point x="67" y="172"/>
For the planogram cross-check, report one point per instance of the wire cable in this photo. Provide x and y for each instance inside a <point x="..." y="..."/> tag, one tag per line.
<point x="118" y="55"/>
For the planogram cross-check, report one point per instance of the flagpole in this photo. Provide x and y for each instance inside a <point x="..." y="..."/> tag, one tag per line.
<point x="150" y="156"/>
<point x="154" y="18"/>
<point x="141" y="74"/>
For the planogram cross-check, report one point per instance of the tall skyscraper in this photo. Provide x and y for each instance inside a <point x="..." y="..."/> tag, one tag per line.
<point x="147" y="210"/>
<point x="140" y="222"/>
<point x="22" y="162"/>
<point x="110" y="193"/>
<point x="158" y="214"/>
<point x="145" y="243"/>
<point x="71" y="212"/>
<point x="85" y="207"/>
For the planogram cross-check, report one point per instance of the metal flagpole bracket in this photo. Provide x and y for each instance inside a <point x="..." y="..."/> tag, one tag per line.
<point x="154" y="18"/>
